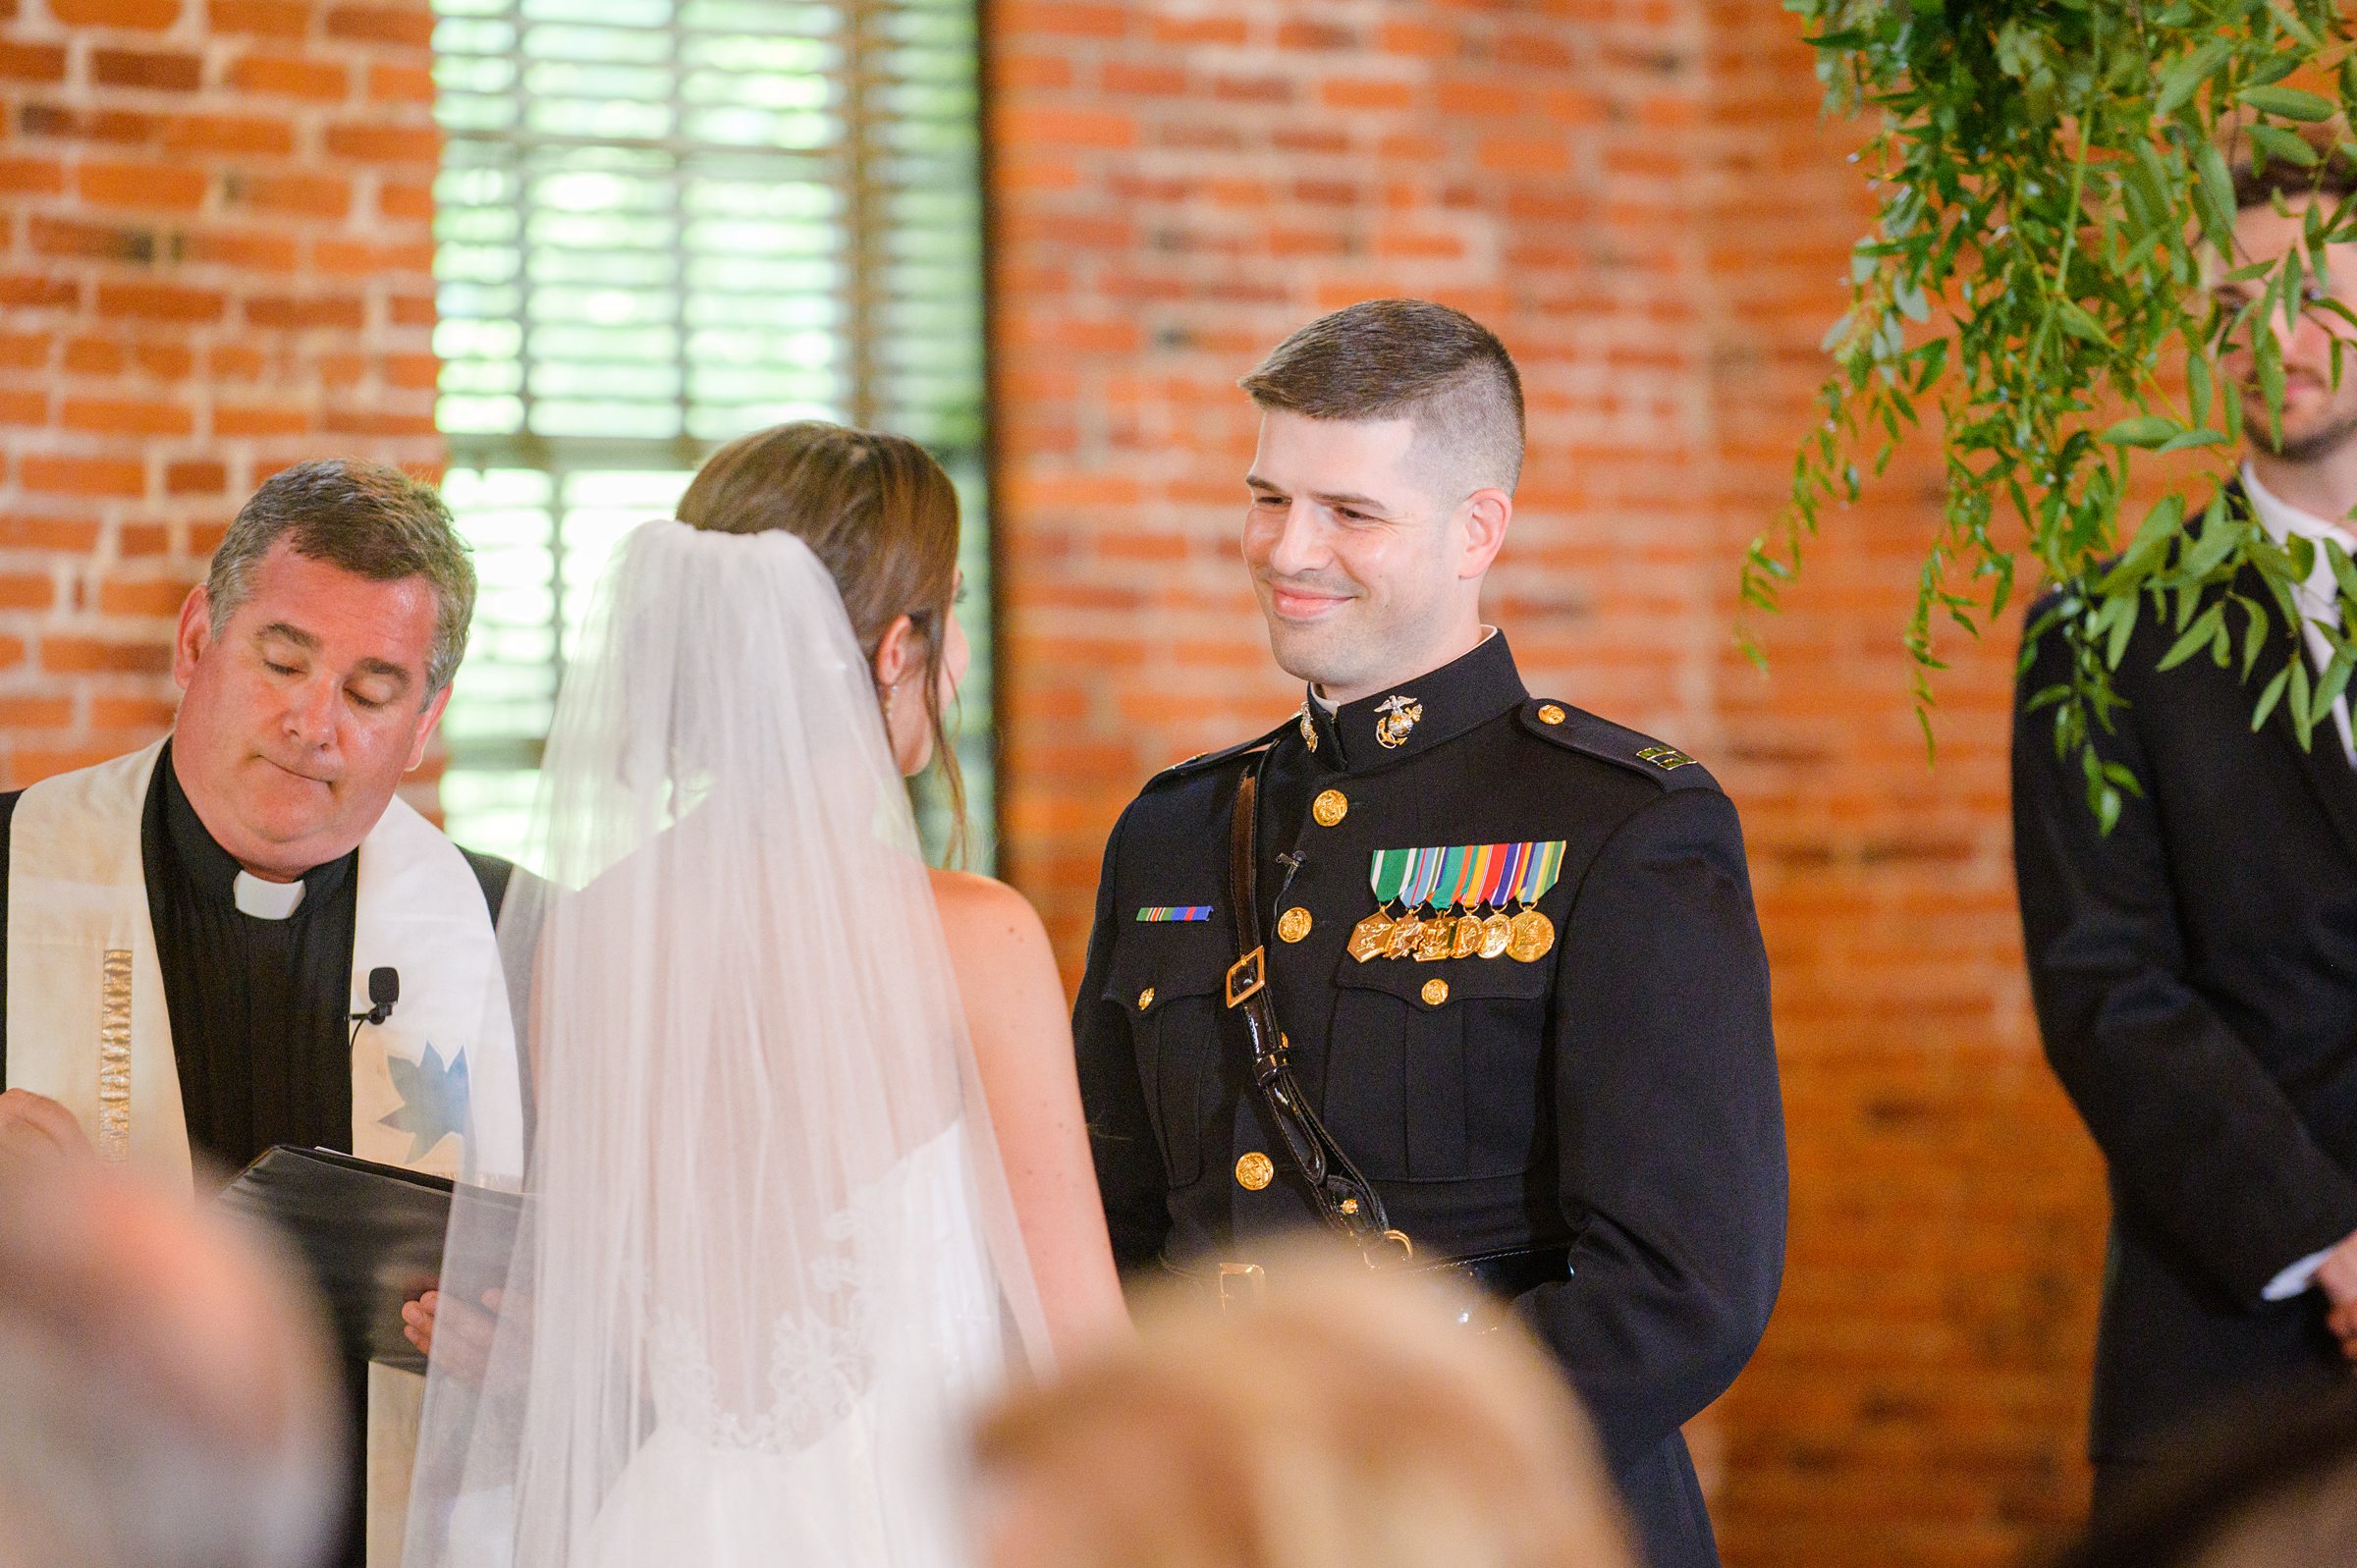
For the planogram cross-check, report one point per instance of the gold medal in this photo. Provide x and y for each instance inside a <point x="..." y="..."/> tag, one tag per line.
<point x="1534" y="937"/>
<point x="1401" y="941"/>
<point x="1497" y="934"/>
<point x="1367" y="936"/>
<point x="1436" y="939"/>
<point x="1467" y="941"/>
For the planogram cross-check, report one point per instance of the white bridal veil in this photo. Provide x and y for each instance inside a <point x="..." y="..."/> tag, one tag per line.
<point x="765" y="1257"/>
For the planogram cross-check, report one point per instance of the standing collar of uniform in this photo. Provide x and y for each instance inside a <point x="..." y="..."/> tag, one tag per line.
<point x="1414" y="716"/>
<point x="212" y="870"/>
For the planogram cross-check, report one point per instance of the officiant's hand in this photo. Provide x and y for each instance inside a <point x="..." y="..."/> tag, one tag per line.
<point x="36" y="1131"/>
<point x="457" y="1339"/>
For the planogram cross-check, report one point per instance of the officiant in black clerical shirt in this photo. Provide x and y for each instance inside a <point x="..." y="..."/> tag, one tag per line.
<point x="191" y="930"/>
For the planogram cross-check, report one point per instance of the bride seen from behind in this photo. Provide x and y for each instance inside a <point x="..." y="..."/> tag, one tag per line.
<point x="808" y="1164"/>
<point x="883" y="518"/>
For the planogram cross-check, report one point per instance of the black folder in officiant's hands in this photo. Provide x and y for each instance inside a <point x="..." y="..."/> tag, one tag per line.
<point x="370" y="1235"/>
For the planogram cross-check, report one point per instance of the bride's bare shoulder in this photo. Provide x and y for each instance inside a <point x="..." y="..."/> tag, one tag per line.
<point x="986" y="921"/>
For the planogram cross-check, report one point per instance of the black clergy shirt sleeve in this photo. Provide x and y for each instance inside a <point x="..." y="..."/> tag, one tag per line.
<point x="1671" y="1126"/>
<point x="1121" y="1135"/>
<point x="2198" y="1135"/>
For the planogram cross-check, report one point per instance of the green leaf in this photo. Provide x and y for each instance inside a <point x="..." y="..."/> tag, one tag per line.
<point x="2213" y="197"/>
<point x="2079" y="324"/>
<point x="2268" y="357"/>
<point x="2280" y="143"/>
<point x="2272" y="694"/>
<point x="2196" y="637"/>
<point x="2345" y="575"/>
<point x="2189" y="439"/>
<point x="2146" y="430"/>
<point x="2287" y="103"/>
<point x="2180" y="82"/>
<point x="2199" y="387"/>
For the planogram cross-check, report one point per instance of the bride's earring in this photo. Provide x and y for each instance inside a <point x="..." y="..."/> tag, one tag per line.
<point x="889" y="693"/>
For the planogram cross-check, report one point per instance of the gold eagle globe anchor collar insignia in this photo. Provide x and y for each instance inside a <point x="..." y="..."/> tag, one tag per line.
<point x="1401" y="715"/>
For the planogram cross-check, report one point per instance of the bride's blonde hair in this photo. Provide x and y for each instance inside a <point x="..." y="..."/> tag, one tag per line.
<point x="877" y="510"/>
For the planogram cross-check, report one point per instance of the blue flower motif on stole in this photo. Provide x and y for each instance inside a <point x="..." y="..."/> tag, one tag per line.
<point x="433" y="1098"/>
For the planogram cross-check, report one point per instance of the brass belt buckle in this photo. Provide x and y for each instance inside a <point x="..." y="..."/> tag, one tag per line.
<point x="1252" y="966"/>
<point x="1249" y="1282"/>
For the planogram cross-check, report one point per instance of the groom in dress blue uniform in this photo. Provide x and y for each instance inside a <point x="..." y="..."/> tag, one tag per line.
<point x="1513" y="946"/>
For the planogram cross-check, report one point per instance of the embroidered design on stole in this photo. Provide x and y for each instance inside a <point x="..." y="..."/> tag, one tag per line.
<point x="114" y="1055"/>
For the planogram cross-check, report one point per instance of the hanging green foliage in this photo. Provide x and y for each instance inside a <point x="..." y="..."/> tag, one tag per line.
<point x="2051" y="178"/>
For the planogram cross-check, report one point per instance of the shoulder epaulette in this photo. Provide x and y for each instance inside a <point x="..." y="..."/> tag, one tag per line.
<point x="1575" y="730"/>
<point x="1212" y="759"/>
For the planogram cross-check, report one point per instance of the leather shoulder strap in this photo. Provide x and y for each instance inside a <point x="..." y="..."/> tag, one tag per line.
<point x="1347" y="1201"/>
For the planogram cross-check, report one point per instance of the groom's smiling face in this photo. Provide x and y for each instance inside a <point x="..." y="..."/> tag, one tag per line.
<point x="1353" y="553"/>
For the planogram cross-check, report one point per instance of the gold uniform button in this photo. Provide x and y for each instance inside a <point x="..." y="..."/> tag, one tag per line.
<point x="1550" y="713"/>
<point x="1330" y="808"/>
<point x="1255" y="1171"/>
<point x="1436" y="992"/>
<point x="1146" y="998"/>
<point x="1294" y="924"/>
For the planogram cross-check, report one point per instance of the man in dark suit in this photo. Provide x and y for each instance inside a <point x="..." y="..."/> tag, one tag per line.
<point x="1511" y="963"/>
<point x="2195" y="970"/>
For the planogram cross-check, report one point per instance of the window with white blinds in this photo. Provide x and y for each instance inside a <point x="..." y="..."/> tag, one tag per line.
<point x="661" y="223"/>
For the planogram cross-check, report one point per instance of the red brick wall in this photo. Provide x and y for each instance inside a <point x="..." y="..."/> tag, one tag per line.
<point x="1642" y="198"/>
<point x="215" y="259"/>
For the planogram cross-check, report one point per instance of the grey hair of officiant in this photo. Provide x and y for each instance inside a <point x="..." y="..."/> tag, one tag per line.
<point x="367" y="518"/>
<point x="166" y="1394"/>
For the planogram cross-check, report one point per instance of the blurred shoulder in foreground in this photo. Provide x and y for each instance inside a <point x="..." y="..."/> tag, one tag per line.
<point x="169" y="1395"/>
<point x="1349" y="1418"/>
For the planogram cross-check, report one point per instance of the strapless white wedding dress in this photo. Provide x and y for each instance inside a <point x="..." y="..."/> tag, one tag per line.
<point x="799" y="1485"/>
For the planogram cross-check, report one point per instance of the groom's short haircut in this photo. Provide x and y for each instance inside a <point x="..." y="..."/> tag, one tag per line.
<point x="367" y="518"/>
<point x="1412" y="359"/>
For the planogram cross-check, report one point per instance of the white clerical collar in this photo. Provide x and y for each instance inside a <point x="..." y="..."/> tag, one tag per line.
<point x="266" y="900"/>
<point x="1331" y="707"/>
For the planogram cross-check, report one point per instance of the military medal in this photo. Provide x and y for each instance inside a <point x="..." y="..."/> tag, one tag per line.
<point x="1467" y="941"/>
<point x="1436" y="939"/>
<point x="1367" y="936"/>
<point x="1534" y="936"/>
<point x="1497" y="934"/>
<point x="1400" y="940"/>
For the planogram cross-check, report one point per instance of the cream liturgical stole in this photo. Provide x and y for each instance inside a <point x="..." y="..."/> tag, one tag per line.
<point x="434" y="1088"/>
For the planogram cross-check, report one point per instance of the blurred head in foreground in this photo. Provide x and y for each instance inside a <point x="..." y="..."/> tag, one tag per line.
<point x="165" y="1391"/>
<point x="2277" y="1489"/>
<point x="1346" y="1420"/>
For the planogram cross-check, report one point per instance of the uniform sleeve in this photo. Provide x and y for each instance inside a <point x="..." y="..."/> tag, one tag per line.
<point x="1671" y="1126"/>
<point x="1120" y="1138"/>
<point x="2198" y="1136"/>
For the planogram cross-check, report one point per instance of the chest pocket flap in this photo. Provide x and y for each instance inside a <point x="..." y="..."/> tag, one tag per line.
<point x="1438" y="1071"/>
<point x="1170" y="979"/>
